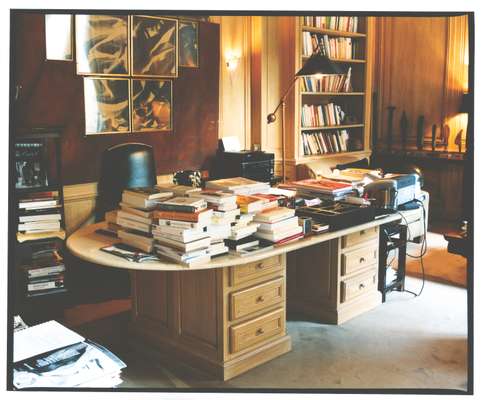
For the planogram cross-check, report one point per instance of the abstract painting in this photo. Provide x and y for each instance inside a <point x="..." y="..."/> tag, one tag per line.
<point x="154" y="47"/>
<point x="188" y="42"/>
<point x="106" y="104"/>
<point x="102" y="45"/>
<point x="151" y="105"/>
<point x="58" y="37"/>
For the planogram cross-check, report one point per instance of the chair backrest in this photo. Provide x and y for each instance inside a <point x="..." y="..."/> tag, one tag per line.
<point x="123" y="166"/>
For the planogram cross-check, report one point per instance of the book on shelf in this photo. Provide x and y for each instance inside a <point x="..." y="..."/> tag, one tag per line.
<point x="319" y="115"/>
<point x="183" y="204"/>
<point x="42" y="271"/>
<point x="324" y="142"/>
<point x="36" y="215"/>
<point x="338" y="23"/>
<point x="343" y="48"/>
<point x="45" y="283"/>
<point x="333" y="83"/>
<point x="39" y="226"/>
<point x="129" y="253"/>
<point x="202" y="217"/>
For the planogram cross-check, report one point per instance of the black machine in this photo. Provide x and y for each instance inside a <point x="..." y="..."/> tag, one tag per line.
<point x="256" y="165"/>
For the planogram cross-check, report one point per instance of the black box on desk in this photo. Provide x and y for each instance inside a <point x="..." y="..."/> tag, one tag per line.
<point x="256" y="165"/>
<point x="339" y="215"/>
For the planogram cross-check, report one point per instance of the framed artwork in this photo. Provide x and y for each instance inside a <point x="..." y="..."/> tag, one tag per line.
<point x="106" y="105"/>
<point x="188" y="43"/>
<point x="152" y="105"/>
<point x="102" y="45"/>
<point x="29" y="165"/>
<point x="154" y="47"/>
<point x="58" y="37"/>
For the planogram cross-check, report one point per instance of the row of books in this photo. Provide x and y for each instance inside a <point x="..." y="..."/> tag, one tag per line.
<point x="339" y="23"/>
<point x="323" y="142"/>
<point x="316" y="115"/>
<point x="39" y="212"/>
<point x="327" y="83"/>
<point x="45" y="273"/>
<point x="332" y="47"/>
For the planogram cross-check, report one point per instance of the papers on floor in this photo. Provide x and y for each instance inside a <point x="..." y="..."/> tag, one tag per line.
<point x="51" y="355"/>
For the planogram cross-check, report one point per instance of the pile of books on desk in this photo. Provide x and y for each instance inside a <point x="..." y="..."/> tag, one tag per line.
<point x="39" y="212"/>
<point x="135" y="216"/>
<point x="180" y="233"/>
<point x="49" y="355"/>
<point x="323" y="188"/>
<point x="45" y="272"/>
<point x="278" y="225"/>
<point x="239" y="186"/>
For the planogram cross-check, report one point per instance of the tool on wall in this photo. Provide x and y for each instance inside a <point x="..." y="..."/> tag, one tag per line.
<point x="404" y="129"/>
<point x="458" y="140"/>
<point x="434" y="136"/>
<point x="420" y="132"/>
<point x="391" y="110"/>
<point x="444" y="134"/>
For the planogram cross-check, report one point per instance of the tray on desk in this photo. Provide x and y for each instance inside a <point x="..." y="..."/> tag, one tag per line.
<point x="338" y="215"/>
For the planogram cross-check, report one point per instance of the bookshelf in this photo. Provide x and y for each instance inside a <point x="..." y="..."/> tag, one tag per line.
<point x="355" y="102"/>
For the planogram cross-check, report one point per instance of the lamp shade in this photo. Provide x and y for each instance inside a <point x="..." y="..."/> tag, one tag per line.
<point x="465" y="106"/>
<point x="319" y="64"/>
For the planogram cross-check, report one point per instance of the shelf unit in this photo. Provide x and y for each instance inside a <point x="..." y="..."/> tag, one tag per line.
<point x="36" y="308"/>
<point x="355" y="104"/>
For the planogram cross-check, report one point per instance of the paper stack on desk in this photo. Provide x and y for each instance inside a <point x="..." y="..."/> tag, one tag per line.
<point x="50" y="355"/>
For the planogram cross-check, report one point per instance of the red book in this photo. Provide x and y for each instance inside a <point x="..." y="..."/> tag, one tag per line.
<point x="323" y="185"/>
<point x="297" y="236"/>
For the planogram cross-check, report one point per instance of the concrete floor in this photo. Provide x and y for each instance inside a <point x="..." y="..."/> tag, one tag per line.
<point x="406" y="343"/>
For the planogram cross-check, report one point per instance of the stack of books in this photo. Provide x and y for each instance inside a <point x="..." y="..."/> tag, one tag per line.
<point x="333" y="83"/>
<point x="177" y="190"/>
<point x="323" y="188"/>
<point x="136" y="216"/>
<point x="45" y="273"/>
<point x="333" y="47"/>
<point x="323" y="142"/>
<point x="339" y="23"/>
<point x="180" y="233"/>
<point x="328" y="114"/>
<point x="39" y="212"/>
<point x="238" y="185"/>
<point x="278" y="225"/>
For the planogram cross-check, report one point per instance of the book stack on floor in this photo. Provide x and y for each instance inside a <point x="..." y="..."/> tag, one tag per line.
<point x="39" y="212"/>
<point x="323" y="188"/>
<point x="238" y="185"/>
<point x="136" y="216"/>
<point x="278" y="225"/>
<point x="225" y="212"/>
<point x="180" y="233"/>
<point x="45" y="272"/>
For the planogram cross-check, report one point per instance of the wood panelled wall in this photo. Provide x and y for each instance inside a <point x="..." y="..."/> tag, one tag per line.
<point x="421" y="68"/>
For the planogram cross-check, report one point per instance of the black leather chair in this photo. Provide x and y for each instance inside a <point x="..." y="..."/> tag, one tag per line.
<point x="123" y="166"/>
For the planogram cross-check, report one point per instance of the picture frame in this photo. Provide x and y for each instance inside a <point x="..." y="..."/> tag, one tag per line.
<point x="59" y="43"/>
<point x="188" y="36"/>
<point x="151" y="105"/>
<point x="102" y="45"/>
<point x="30" y="168"/>
<point x="154" y="47"/>
<point x="107" y="105"/>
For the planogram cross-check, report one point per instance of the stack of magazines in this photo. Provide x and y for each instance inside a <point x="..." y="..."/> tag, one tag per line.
<point x="50" y="355"/>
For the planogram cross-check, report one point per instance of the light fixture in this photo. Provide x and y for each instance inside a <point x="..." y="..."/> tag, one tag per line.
<point x="317" y="64"/>
<point x="232" y="61"/>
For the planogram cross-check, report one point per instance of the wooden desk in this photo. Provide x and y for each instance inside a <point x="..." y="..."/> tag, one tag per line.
<point x="229" y="315"/>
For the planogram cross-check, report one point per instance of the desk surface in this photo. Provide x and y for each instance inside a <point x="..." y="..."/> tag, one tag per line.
<point x="85" y="243"/>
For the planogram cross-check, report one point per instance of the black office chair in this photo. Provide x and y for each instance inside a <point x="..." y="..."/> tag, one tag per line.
<point x="123" y="166"/>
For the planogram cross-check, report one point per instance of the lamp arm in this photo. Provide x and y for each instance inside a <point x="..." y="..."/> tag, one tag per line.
<point x="271" y="116"/>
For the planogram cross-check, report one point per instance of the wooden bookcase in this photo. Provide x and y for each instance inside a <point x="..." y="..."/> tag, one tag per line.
<point x="356" y="103"/>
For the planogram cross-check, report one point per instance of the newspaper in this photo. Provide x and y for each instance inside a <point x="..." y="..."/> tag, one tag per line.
<point x="85" y="364"/>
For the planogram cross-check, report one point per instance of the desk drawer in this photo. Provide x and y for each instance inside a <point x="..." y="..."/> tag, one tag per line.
<point x="247" y="272"/>
<point x="359" y="237"/>
<point x="256" y="330"/>
<point x="354" y="287"/>
<point x="256" y="298"/>
<point x="354" y="260"/>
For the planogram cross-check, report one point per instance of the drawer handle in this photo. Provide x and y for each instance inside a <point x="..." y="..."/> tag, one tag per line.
<point x="362" y="259"/>
<point x="362" y="286"/>
<point x="259" y="266"/>
<point x="259" y="299"/>
<point x="259" y="331"/>
<point x="362" y="233"/>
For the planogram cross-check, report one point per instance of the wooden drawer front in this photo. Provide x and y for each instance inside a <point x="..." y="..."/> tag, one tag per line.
<point x="245" y="273"/>
<point x="360" y="236"/>
<point x="352" y="288"/>
<point x="256" y="298"/>
<point x="357" y="259"/>
<point x="256" y="330"/>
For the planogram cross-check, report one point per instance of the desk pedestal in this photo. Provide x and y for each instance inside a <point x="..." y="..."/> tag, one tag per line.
<point x="224" y="321"/>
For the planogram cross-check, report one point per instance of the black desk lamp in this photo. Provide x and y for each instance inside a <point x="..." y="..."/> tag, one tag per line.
<point x="317" y="64"/>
